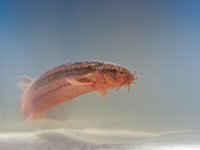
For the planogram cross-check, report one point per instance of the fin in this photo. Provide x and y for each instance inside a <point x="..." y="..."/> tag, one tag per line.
<point x="118" y="88"/>
<point x="29" y="118"/>
<point x="60" y="112"/>
<point x="35" y="117"/>
<point x="75" y="82"/>
<point x="23" y="82"/>
<point x="103" y="91"/>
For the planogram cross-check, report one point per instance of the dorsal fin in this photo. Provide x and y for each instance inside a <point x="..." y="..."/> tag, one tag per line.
<point x="23" y="82"/>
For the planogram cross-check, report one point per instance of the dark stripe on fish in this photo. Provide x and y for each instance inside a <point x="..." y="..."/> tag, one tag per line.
<point x="36" y="102"/>
<point x="66" y="70"/>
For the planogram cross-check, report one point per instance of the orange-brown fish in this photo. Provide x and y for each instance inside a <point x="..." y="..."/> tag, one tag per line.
<point x="65" y="82"/>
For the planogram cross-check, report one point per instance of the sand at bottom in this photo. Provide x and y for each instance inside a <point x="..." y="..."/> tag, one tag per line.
<point x="62" y="139"/>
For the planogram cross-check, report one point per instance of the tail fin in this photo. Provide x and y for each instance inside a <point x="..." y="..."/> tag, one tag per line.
<point x="23" y="82"/>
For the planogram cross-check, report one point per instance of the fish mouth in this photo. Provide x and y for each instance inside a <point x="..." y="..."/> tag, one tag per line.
<point x="130" y="80"/>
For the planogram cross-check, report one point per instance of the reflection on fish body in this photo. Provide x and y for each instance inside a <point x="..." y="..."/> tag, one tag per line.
<point x="67" y="81"/>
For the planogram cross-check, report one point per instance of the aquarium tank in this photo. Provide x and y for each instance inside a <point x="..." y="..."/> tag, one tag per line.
<point x="157" y="41"/>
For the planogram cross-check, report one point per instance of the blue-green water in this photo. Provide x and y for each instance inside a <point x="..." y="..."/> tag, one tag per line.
<point x="158" y="39"/>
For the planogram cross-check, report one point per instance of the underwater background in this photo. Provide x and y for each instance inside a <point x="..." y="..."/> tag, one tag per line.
<point x="157" y="39"/>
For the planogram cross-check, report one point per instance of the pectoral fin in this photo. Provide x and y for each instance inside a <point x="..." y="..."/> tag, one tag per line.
<point x="103" y="92"/>
<point x="75" y="82"/>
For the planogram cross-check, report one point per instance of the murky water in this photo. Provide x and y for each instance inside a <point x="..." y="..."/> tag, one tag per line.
<point x="158" y="40"/>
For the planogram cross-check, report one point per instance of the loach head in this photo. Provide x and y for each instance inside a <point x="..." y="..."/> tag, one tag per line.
<point x="114" y="76"/>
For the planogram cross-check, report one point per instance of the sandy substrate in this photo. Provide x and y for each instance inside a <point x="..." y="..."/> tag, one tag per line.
<point x="62" y="139"/>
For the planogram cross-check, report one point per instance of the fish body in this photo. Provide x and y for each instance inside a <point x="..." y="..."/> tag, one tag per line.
<point x="65" y="82"/>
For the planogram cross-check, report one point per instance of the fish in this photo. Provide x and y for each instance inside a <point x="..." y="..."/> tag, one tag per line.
<point x="65" y="82"/>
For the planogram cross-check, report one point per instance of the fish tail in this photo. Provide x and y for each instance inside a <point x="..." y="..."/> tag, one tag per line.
<point x="23" y="82"/>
